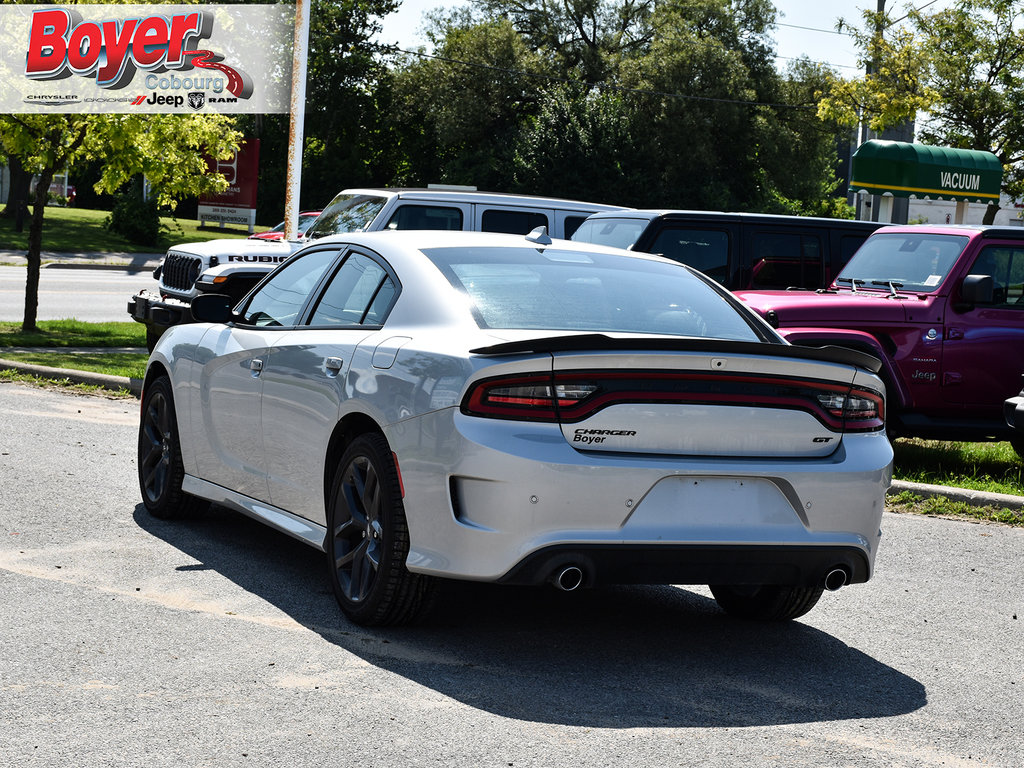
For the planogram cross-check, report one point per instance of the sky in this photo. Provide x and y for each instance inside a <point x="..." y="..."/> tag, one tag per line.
<point x="805" y="27"/>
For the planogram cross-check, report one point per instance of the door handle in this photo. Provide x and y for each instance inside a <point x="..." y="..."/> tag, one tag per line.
<point x="333" y="365"/>
<point x="256" y="366"/>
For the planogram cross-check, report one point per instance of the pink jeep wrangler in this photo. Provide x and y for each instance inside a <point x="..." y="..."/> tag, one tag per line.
<point x="942" y="307"/>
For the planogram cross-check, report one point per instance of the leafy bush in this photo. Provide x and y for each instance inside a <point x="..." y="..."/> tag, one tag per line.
<point x="135" y="219"/>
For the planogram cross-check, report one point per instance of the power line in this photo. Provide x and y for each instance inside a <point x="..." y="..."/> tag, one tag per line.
<point x="600" y="86"/>
<point x="822" y="63"/>
<point x="813" y="29"/>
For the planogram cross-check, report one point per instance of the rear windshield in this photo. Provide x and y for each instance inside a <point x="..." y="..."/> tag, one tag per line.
<point x="618" y="233"/>
<point x="902" y="261"/>
<point x="553" y="289"/>
<point x="347" y="213"/>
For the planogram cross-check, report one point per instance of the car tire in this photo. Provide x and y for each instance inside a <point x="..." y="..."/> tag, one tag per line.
<point x="159" y="456"/>
<point x="152" y="337"/>
<point x="1017" y="443"/>
<point x="368" y="539"/>
<point x="766" y="602"/>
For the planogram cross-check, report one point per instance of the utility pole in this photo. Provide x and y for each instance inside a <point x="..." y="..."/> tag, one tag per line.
<point x="903" y="132"/>
<point x="297" y="112"/>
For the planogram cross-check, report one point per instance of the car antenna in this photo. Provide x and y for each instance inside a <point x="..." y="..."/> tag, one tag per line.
<point x="539" y="236"/>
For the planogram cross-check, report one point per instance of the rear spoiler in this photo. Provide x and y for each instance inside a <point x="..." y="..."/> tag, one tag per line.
<point x="597" y="342"/>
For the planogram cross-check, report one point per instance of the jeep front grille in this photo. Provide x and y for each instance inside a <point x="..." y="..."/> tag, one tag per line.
<point x="180" y="271"/>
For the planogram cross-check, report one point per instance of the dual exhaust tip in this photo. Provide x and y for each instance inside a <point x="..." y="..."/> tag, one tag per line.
<point x="836" y="579"/>
<point x="570" y="578"/>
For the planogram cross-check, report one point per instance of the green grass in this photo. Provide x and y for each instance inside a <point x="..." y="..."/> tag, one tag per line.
<point x="991" y="467"/>
<point x="130" y="364"/>
<point x="81" y="230"/>
<point x="75" y="333"/>
<point x="939" y="506"/>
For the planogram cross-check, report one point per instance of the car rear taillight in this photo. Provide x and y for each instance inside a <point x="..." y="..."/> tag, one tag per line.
<point x="574" y="396"/>
<point x="533" y="398"/>
<point x="859" y="410"/>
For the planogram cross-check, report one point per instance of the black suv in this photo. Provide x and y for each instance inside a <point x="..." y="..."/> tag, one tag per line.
<point x="739" y="250"/>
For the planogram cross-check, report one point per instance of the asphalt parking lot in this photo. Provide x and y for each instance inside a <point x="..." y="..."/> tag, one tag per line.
<point x="215" y="642"/>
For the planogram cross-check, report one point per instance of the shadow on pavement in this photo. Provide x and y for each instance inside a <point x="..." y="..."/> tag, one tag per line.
<point x="627" y="657"/>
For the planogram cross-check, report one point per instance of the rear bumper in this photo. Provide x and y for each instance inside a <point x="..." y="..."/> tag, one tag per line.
<point x="693" y="564"/>
<point x="156" y="312"/>
<point x="508" y="502"/>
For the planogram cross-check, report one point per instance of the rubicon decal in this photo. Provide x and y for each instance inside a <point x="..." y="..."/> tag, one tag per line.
<point x="190" y="58"/>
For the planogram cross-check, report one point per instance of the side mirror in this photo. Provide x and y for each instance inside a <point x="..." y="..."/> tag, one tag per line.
<point x="977" y="289"/>
<point x="212" y="308"/>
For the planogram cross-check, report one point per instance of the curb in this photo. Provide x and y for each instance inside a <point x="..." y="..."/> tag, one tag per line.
<point x="964" y="495"/>
<point x="106" y="381"/>
<point x="86" y="260"/>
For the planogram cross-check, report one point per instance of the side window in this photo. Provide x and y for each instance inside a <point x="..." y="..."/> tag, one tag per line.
<point x="360" y="288"/>
<point x="426" y="217"/>
<point x="1006" y="266"/>
<point x="280" y="300"/>
<point x="782" y="260"/>
<point x="572" y="223"/>
<point x="706" y="250"/>
<point x="513" y="222"/>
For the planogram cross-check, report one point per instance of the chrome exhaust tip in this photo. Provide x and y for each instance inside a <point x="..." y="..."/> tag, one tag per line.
<point x="835" y="579"/>
<point x="568" y="578"/>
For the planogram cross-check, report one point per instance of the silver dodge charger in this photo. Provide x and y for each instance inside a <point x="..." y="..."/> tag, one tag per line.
<point x="519" y="410"/>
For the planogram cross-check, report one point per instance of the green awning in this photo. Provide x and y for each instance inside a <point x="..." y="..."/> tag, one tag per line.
<point x="916" y="170"/>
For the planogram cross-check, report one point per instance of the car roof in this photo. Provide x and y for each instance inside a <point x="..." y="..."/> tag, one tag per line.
<point x="650" y="214"/>
<point x="472" y="196"/>
<point x="986" y="231"/>
<point x="418" y="240"/>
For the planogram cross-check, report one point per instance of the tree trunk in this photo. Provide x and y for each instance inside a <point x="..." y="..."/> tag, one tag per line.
<point x="18" y="192"/>
<point x="990" y="213"/>
<point x="35" y="251"/>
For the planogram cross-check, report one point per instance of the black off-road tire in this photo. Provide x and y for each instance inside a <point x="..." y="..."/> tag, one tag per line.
<point x="152" y="337"/>
<point x="1017" y="443"/>
<point x="368" y="539"/>
<point x="159" y="456"/>
<point x="767" y="602"/>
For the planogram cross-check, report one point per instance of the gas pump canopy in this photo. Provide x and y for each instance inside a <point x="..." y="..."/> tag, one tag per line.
<point x="902" y="169"/>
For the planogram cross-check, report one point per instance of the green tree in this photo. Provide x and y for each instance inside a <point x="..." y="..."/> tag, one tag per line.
<point x="962" y="65"/>
<point x="168" y="149"/>
<point x="586" y="37"/>
<point x="668" y="103"/>
<point x="459" y="112"/>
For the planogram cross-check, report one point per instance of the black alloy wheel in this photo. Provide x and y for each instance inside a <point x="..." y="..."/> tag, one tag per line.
<point x="368" y="539"/>
<point x="159" y="456"/>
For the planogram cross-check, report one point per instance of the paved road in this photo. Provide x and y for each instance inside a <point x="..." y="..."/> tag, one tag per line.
<point x="128" y="641"/>
<point x="92" y="295"/>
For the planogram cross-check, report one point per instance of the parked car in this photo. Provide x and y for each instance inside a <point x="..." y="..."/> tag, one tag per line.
<point x="306" y="219"/>
<point x="235" y="266"/>
<point x="739" y="250"/>
<point x="519" y="410"/>
<point x="942" y="307"/>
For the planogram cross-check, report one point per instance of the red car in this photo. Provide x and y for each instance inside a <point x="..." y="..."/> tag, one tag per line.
<point x="306" y="218"/>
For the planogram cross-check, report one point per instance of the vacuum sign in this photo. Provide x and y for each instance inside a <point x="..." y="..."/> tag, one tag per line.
<point x="136" y="58"/>
<point x="960" y="181"/>
<point x="902" y="169"/>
